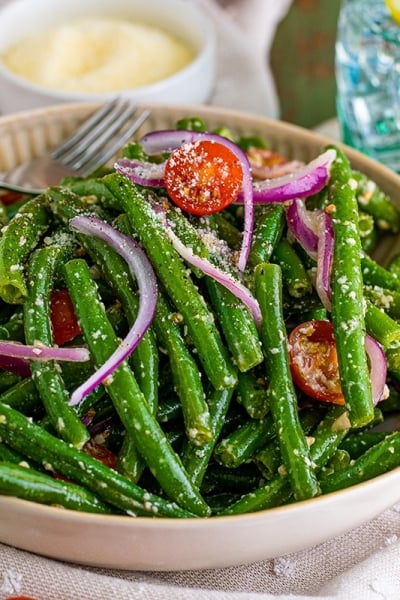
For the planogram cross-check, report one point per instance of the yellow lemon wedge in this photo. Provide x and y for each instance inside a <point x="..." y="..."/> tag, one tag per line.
<point x="394" y="9"/>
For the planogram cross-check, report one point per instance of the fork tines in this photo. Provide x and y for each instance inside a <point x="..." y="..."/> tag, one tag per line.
<point x="100" y="137"/>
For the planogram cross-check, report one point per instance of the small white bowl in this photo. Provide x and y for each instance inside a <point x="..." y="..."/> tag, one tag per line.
<point x="184" y="20"/>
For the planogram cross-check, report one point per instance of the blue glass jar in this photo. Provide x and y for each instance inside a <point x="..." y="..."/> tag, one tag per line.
<point x="368" y="79"/>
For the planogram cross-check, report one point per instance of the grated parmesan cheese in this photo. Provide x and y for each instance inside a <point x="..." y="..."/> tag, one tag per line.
<point x="97" y="55"/>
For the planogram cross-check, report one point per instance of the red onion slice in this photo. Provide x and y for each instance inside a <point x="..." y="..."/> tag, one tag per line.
<point x="378" y="368"/>
<point x="301" y="183"/>
<point x="224" y="278"/>
<point x="143" y="173"/>
<point x="18" y="366"/>
<point x="142" y="270"/>
<point x="302" y="224"/>
<point x="324" y="260"/>
<point x="168" y="140"/>
<point x="40" y="352"/>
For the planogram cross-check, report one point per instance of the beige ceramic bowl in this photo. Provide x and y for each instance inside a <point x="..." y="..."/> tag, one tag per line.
<point x="172" y="544"/>
<point x="184" y="20"/>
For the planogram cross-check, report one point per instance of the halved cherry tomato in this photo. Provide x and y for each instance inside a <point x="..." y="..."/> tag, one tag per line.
<point x="313" y="361"/>
<point x="8" y="198"/>
<point x="203" y="177"/>
<point x="63" y="318"/>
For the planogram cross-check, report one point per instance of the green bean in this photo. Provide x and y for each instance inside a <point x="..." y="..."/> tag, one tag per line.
<point x="276" y="492"/>
<point x="380" y="458"/>
<point x="317" y="313"/>
<point x="387" y="300"/>
<point x="237" y="325"/>
<point x="19" y="238"/>
<point x="23" y="396"/>
<point x="326" y="439"/>
<point x="357" y="442"/>
<point x="45" y="374"/>
<point x="7" y="454"/>
<point x="281" y="392"/>
<point x="376" y="275"/>
<point x="191" y="123"/>
<point x="26" y="483"/>
<point x="368" y="231"/>
<point x="347" y="296"/>
<point x="173" y="275"/>
<point x="196" y="459"/>
<point x="126" y="395"/>
<point x="65" y="204"/>
<point x="129" y="461"/>
<point x="186" y="375"/>
<point x="94" y="188"/>
<point x="7" y="380"/>
<point x="269" y="458"/>
<point x="34" y="442"/>
<point x="386" y="331"/>
<point x="339" y="461"/>
<point x="241" y="444"/>
<point x="252" y="394"/>
<point x="294" y="274"/>
<point x="222" y="480"/>
<point x="169" y="409"/>
<point x="268" y="230"/>
<point x="374" y="202"/>
<point x="328" y="435"/>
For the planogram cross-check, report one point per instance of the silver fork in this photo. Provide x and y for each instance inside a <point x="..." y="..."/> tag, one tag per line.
<point x="92" y="145"/>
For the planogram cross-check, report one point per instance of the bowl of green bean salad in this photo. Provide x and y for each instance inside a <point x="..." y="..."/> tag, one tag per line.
<point x="199" y="343"/>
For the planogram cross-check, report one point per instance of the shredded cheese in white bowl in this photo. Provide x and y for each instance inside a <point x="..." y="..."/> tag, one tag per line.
<point x="97" y="55"/>
<point x="144" y="50"/>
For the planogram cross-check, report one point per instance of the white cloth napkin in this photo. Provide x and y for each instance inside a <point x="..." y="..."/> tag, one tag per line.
<point x="245" y="30"/>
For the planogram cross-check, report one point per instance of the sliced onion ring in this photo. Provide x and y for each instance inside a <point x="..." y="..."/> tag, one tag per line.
<point x="324" y="260"/>
<point x="41" y="352"/>
<point x="224" y="278"/>
<point x="142" y="270"/>
<point x="301" y="223"/>
<point x="143" y="173"/>
<point x="301" y="183"/>
<point x="168" y="140"/>
<point x="378" y="368"/>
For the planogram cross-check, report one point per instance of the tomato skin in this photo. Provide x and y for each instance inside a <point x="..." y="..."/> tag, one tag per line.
<point x="101" y="453"/>
<point x="9" y="198"/>
<point x="313" y="361"/>
<point x="203" y="177"/>
<point x="63" y="318"/>
<point x="20" y="598"/>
